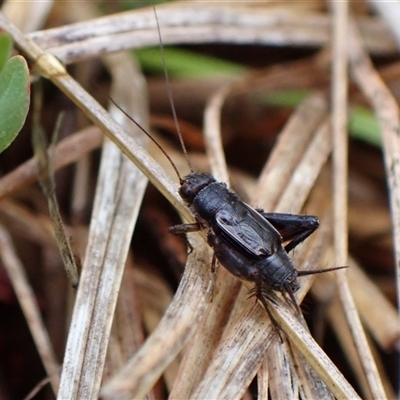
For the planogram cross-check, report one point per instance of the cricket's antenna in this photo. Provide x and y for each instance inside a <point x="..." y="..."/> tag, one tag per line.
<point x="169" y="91"/>
<point x="151" y="137"/>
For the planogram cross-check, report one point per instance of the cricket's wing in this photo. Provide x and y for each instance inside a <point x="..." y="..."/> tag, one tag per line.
<point x="244" y="227"/>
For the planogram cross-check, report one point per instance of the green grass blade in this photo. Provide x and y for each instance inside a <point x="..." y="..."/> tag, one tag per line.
<point x="6" y="45"/>
<point x="183" y="63"/>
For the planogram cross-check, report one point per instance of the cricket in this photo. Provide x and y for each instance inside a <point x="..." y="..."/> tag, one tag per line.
<point x="250" y="243"/>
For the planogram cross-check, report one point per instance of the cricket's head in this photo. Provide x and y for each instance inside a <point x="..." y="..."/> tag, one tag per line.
<point x="193" y="183"/>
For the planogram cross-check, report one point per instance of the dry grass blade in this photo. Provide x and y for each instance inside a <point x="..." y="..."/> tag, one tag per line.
<point x="339" y="129"/>
<point x="37" y="389"/>
<point x="208" y="340"/>
<point x="18" y="218"/>
<point x="236" y="360"/>
<point x="50" y="67"/>
<point x="311" y="386"/>
<point x="283" y="384"/>
<point x="296" y="134"/>
<point x="387" y="111"/>
<point x="323" y="289"/>
<point x="173" y="332"/>
<point x="29" y="306"/>
<point x="45" y="159"/>
<point x="200" y="349"/>
<point x="300" y="369"/>
<point x="190" y="23"/>
<point x="66" y="152"/>
<point x="212" y="133"/>
<point x="119" y="194"/>
<point x="306" y="173"/>
<point x="330" y="375"/>
<point x="377" y="313"/>
<point x="339" y="132"/>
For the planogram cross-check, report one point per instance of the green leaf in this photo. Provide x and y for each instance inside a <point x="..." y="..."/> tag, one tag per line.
<point x="14" y="99"/>
<point x="6" y="45"/>
<point x="185" y="63"/>
<point x="365" y="126"/>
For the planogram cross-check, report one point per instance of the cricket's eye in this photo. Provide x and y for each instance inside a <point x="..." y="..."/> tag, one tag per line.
<point x="188" y="192"/>
<point x="192" y="184"/>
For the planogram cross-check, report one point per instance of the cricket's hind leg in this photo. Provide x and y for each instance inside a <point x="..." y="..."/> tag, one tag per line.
<point x="295" y="228"/>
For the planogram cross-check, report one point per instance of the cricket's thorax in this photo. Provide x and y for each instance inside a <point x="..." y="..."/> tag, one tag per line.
<point x="205" y="195"/>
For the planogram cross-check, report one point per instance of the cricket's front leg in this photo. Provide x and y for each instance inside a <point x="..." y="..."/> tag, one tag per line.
<point x="183" y="229"/>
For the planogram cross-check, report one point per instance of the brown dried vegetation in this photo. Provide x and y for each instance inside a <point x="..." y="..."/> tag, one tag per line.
<point x="142" y="324"/>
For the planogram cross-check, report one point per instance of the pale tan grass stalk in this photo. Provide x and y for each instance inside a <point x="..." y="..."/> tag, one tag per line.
<point x="340" y="187"/>
<point x="200" y="349"/>
<point x="283" y="383"/>
<point x="337" y="318"/>
<point x="183" y="22"/>
<point x="241" y="352"/>
<point x="230" y="339"/>
<point x="118" y="198"/>
<point x="263" y="381"/>
<point x="309" y="257"/>
<point x="310" y="384"/>
<point x="152" y="307"/>
<point x="173" y="332"/>
<point x="314" y="355"/>
<point x="212" y="133"/>
<point x="377" y="313"/>
<point x="339" y="133"/>
<point x="386" y="109"/>
<point x="66" y="152"/>
<point x="20" y="220"/>
<point x="127" y="335"/>
<point x="296" y="135"/>
<point x="37" y="389"/>
<point x="307" y="170"/>
<point x="52" y="69"/>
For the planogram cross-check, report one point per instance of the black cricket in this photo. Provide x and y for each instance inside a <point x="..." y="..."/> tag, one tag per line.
<point x="248" y="242"/>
